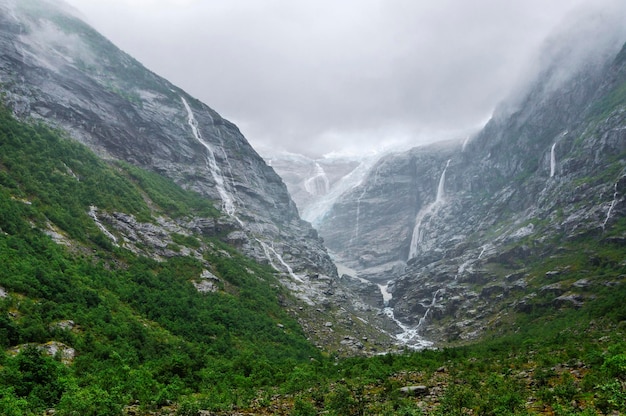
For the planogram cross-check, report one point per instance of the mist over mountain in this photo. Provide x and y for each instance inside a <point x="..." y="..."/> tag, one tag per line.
<point x="452" y="224"/>
<point x="154" y="263"/>
<point x="58" y="70"/>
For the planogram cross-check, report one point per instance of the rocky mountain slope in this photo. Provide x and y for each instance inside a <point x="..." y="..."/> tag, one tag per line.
<point x="464" y="231"/>
<point x="56" y="69"/>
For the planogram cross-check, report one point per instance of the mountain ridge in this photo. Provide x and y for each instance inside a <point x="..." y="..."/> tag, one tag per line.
<point x="442" y="222"/>
<point x="58" y="70"/>
<point x="171" y="274"/>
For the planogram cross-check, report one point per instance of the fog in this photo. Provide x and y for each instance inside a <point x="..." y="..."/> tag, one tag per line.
<point x="322" y="76"/>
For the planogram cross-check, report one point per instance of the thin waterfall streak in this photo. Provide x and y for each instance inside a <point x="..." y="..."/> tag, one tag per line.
<point x="465" y="142"/>
<point x="608" y="214"/>
<point x="268" y="250"/>
<point x="318" y="184"/>
<point x="442" y="182"/>
<point x="94" y="216"/>
<point x="433" y="303"/>
<point x="428" y="211"/>
<point x="553" y="160"/>
<point x="358" y="215"/>
<point x="211" y="162"/>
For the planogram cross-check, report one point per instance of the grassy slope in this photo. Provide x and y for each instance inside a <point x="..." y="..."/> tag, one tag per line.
<point x="549" y="360"/>
<point x="141" y="330"/>
<point x="142" y="333"/>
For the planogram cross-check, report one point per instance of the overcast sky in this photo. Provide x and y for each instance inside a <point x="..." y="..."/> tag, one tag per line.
<point x="320" y="76"/>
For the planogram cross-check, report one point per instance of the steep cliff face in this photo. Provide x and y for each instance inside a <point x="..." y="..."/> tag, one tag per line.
<point x="461" y="230"/>
<point x="56" y="69"/>
<point x="367" y="228"/>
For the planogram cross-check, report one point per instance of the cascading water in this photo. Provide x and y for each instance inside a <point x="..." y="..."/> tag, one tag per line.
<point x="433" y="303"/>
<point x="316" y="212"/>
<point x="384" y="290"/>
<point x="462" y="268"/>
<point x="465" y="142"/>
<point x="469" y="262"/>
<point x="94" y="217"/>
<point x="212" y="166"/>
<point x="553" y="160"/>
<point x="318" y="184"/>
<point x="409" y="336"/>
<point x="553" y="154"/>
<point x="227" y="200"/>
<point x="427" y="211"/>
<point x="358" y="208"/>
<point x="442" y="182"/>
<point x="608" y="214"/>
<point x="268" y="250"/>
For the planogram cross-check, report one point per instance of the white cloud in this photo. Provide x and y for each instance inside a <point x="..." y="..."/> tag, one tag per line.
<point x="321" y="76"/>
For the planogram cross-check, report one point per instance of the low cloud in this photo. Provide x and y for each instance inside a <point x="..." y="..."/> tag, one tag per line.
<point x="320" y="76"/>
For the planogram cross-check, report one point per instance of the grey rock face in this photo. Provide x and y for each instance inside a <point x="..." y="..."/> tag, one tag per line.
<point x="371" y="225"/>
<point x="57" y="69"/>
<point x="455" y="244"/>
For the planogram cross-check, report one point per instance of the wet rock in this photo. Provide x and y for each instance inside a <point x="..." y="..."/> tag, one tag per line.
<point x="66" y="325"/>
<point x="237" y="238"/>
<point x="492" y="290"/>
<point x="553" y="289"/>
<point x="576" y="301"/>
<point x="414" y="390"/>
<point x="351" y="342"/>
<point x="582" y="283"/>
<point x="58" y="349"/>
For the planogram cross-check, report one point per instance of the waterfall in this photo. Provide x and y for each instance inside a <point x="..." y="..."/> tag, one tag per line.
<point x="316" y="212"/>
<point x="442" y="182"/>
<point x="211" y="163"/>
<point x="462" y="268"/>
<point x="433" y="303"/>
<point x="417" y="236"/>
<point x="465" y="142"/>
<point x="93" y="214"/>
<point x="553" y="160"/>
<point x="358" y="215"/>
<point x="318" y="184"/>
<point x="358" y="206"/>
<point x="227" y="200"/>
<point x="608" y="214"/>
<point x="409" y="336"/>
<point x="553" y="153"/>
<point x="428" y="211"/>
<point x="268" y="254"/>
<point x="384" y="290"/>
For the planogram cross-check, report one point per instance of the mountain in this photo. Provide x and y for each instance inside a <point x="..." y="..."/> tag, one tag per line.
<point x="58" y="70"/>
<point x="464" y="235"/>
<point x="152" y="263"/>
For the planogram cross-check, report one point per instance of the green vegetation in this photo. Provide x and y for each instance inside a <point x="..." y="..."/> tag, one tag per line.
<point x="143" y="336"/>
<point x="140" y="330"/>
<point x="171" y="198"/>
<point x="613" y="101"/>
